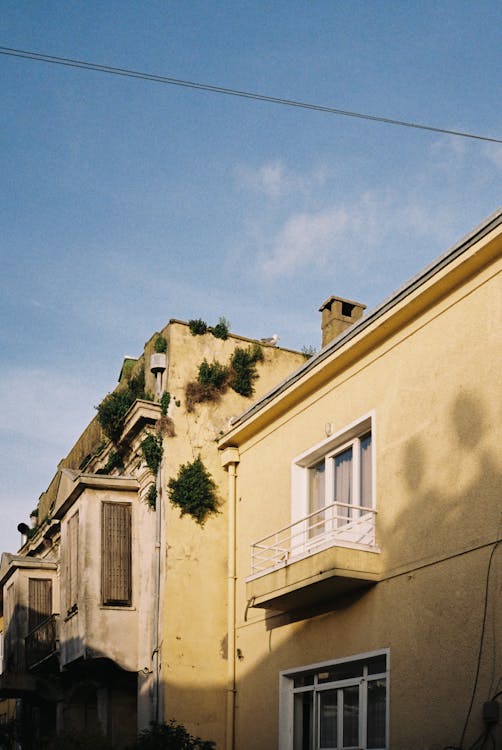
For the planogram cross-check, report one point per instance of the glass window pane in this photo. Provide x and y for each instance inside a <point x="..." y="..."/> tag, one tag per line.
<point x="377" y="664"/>
<point x="328" y="719"/>
<point x="317" y="486"/>
<point x="344" y="671"/>
<point x="317" y="498"/>
<point x="376" y="714"/>
<point x="365" y="479"/>
<point x="343" y="482"/>
<point x="303" y="721"/>
<point x="351" y="716"/>
<point x="304" y="679"/>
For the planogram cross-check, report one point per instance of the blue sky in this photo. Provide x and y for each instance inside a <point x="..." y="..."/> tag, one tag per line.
<point x="126" y="203"/>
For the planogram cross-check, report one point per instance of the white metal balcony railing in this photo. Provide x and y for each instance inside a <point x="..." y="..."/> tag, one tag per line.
<point x="335" y="525"/>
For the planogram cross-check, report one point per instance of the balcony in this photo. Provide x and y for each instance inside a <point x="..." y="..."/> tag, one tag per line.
<point x="42" y="642"/>
<point x="330" y="552"/>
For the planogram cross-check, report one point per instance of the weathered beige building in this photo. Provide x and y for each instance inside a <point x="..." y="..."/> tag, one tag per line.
<point x="367" y="495"/>
<point x="115" y="607"/>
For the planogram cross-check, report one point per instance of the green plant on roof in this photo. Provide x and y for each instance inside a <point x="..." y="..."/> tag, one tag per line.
<point x="160" y="345"/>
<point x="221" y="329"/>
<point x="197" y="327"/>
<point x="194" y="491"/>
<point x="309" y="351"/>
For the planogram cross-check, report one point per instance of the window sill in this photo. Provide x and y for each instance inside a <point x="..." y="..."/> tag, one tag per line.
<point x="117" y="607"/>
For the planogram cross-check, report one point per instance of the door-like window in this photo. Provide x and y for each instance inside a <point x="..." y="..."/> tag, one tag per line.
<point x="342" y="706"/>
<point x="116" y="556"/>
<point x="340" y="486"/>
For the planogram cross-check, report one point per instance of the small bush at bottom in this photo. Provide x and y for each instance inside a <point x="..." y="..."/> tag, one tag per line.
<point x="170" y="736"/>
<point x="78" y="741"/>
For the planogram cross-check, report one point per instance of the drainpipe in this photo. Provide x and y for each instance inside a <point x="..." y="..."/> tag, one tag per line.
<point x="229" y="460"/>
<point x="156" y="597"/>
<point x="158" y="365"/>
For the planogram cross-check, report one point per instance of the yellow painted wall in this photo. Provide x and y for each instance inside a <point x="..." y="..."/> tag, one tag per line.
<point x="194" y="589"/>
<point x="433" y="385"/>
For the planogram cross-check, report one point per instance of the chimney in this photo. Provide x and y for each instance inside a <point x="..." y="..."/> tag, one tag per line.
<point x="337" y="315"/>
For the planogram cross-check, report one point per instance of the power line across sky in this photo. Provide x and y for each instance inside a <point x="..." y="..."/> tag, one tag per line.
<point x="108" y="69"/>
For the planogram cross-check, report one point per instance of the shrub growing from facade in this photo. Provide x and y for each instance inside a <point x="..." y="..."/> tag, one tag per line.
<point x="160" y="345"/>
<point x="194" y="491"/>
<point x="243" y="369"/>
<point x="114" y="407"/>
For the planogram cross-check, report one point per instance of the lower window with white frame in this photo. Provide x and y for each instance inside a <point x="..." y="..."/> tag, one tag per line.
<point x="338" y="705"/>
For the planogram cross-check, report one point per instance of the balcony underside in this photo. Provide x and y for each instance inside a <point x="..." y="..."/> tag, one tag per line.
<point x="324" y="576"/>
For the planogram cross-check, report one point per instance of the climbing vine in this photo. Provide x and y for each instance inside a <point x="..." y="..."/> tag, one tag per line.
<point x="152" y="450"/>
<point x="114" y="407"/>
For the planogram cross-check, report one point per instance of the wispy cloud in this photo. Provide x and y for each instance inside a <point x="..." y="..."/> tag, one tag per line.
<point x="275" y="180"/>
<point x="342" y="234"/>
<point x="305" y="239"/>
<point x="493" y="152"/>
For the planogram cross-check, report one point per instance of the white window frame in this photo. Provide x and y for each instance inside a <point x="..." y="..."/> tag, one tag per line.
<point x="328" y="448"/>
<point x="287" y="692"/>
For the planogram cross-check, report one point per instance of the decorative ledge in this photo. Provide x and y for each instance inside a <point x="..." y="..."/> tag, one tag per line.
<point x="141" y="413"/>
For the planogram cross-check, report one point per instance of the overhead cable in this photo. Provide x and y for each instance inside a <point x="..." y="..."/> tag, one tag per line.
<point x="39" y="57"/>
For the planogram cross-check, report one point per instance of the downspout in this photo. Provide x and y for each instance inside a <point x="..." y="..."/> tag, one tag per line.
<point x="156" y="597"/>
<point x="158" y="366"/>
<point x="229" y="460"/>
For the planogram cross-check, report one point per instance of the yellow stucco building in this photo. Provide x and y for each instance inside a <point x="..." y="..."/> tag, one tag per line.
<point x="281" y="553"/>
<point x="367" y="491"/>
<point x="115" y="606"/>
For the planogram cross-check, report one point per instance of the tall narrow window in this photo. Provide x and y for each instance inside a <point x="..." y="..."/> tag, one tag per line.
<point x="72" y="564"/>
<point x="317" y="498"/>
<point x="39" y="601"/>
<point x="116" y="570"/>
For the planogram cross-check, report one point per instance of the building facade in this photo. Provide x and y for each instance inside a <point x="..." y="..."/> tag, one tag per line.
<point x="115" y="606"/>
<point x="367" y="494"/>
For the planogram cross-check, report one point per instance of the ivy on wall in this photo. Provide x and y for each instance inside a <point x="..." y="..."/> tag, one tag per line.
<point x="114" y="407"/>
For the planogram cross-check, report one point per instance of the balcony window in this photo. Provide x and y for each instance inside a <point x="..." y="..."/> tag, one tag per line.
<point x="333" y="501"/>
<point x="341" y="479"/>
<point x="337" y="705"/>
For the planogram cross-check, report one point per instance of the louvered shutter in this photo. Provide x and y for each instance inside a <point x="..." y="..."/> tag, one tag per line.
<point x="40" y="601"/>
<point x="72" y="562"/>
<point x="116" y="553"/>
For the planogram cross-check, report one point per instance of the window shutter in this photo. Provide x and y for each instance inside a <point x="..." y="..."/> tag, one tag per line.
<point x="116" y="569"/>
<point x="40" y="601"/>
<point x="72" y="562"/>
